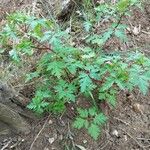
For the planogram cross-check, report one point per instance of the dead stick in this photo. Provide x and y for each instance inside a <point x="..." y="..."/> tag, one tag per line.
<point x="39" y="133"/>
<point x="121" y="120"/>
<point x="6" y="145"/>
<point x="134" y="139"/>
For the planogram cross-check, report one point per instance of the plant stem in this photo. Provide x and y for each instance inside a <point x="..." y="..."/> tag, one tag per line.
<point x="93" y="100"/>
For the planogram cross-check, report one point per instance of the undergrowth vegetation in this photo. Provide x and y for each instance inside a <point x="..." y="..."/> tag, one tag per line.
<point x="65" y="70"/>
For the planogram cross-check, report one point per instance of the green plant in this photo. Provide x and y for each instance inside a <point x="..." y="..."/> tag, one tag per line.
<point x="64" y="72"/>
<point x="38" y="104"/>
<point x="91" y="120"/>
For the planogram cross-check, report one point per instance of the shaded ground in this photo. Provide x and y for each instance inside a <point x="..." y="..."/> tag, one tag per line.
<point x="128" y="127"/>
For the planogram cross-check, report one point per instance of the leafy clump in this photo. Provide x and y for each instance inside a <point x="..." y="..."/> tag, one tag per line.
<point x="62" y="70"/>
<point x="91" y="120"/>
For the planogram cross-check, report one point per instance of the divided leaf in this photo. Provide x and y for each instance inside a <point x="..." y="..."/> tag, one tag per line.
<point x="82" y="112"/>
<point x="122" y="5"/>
<point x="86" y="83"/>
<point x="94" y="131"/>
<point x="56" y="68"/>
<point x="65" y="91"/>
<point x="79" y="123"/>
<point x="100" y="119"/>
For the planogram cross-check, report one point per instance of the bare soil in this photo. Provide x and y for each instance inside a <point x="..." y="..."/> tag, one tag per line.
<point x="128" y="127"/>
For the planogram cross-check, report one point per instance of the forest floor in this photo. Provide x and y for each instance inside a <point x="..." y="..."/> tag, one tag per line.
<point x="128" y="127"/>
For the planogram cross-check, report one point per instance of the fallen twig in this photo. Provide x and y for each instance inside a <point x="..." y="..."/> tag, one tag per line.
<point x="140" y="145"/>
<point x="121" y="120"/>
<point x="39" y="133"/>
<point x="6" y="145"/>
<point x="104" y="145"/>
<point x="145" y="32"/>
<point x="143" y="139"/>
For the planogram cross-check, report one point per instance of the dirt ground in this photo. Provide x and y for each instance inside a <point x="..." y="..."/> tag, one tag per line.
<point x="128" y="127"/>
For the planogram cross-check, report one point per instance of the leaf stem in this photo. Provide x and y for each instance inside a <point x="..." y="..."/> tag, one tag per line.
<point x="93" y="100"/>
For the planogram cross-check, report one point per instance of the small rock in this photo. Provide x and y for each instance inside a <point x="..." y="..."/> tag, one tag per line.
<point x="72" y="108"/>
<point x="50" y="122"/>
<point x="137" y="108"/>
<point x="22" y="140"/>
<point x="84" y="141"/>
<point x="115" y="133"/>
<point x="125" y="137"/>
<point x="136" y="30"/>
<point x="51" y="140"/>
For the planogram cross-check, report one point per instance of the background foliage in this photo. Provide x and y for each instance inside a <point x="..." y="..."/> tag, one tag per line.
<point x="65" y="71"/>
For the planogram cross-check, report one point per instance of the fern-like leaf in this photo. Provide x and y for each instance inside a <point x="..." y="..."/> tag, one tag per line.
<point x="94" y="131"/>
<point x="100" y="119"/>
<point x="79" y="123"/>
<point x="86" y="83"/>
<point x="56" y="68"/>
